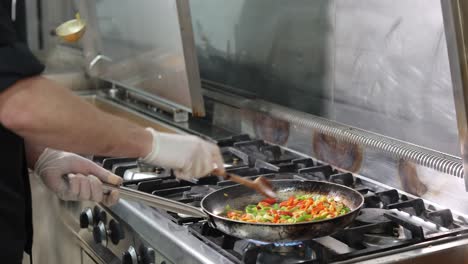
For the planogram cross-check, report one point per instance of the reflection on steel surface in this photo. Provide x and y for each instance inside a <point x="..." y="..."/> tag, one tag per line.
<point x="456" y="25"/>
<point x="347" y="156"/>
<point x="270" y="129"/>
<point x="409" y="178"/>
<point x="381" y="165"/>
<point x="395" y="148"/>
<point x="381" y="66"/>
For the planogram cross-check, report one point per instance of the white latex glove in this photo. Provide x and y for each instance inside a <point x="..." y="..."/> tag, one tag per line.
<point x="74" y="178"/>
<point x="189" y="156"/>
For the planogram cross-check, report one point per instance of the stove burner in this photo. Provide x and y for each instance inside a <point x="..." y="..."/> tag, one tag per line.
<point x="346" y="179"/>
<point x="275" y="244"/>
<point x="195" y="196"/>
<point x="144" y="167"/>
<point x="372" y="216"/>
<point x="198" y="192"/>
<point x="371" y="240"/>
<point x="260" y="150"/>
<point x="289" y="252"/>
<point x="234" y="158"/>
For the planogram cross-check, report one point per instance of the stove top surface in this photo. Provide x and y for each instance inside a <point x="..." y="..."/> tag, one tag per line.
<point x="388" y="220"/>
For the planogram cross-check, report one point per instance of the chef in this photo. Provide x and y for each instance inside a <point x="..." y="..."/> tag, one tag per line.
<point x="42" y="125"/>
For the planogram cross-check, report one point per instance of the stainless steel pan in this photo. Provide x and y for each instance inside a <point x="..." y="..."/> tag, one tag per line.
<point x="237" y="196"/>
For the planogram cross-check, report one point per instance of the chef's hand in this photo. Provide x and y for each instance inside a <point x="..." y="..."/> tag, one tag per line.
<point x="189" y="156"/>
<point x="74" y="178"/>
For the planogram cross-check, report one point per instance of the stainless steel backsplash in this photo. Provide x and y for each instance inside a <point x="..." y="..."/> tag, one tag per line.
<point x="378" y="65"/>
<point x="381" y="66"/>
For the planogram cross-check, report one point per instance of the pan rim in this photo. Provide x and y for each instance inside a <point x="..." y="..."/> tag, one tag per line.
<point x="282" y="224"/>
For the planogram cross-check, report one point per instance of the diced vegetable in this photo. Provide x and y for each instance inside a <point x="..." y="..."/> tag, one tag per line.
<point x="270" y="201"/>
<point x="296" y="209"/>
<point x="304" y="217"/>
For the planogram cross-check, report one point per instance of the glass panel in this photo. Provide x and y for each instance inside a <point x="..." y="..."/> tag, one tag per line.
<point x="147" y="50"/>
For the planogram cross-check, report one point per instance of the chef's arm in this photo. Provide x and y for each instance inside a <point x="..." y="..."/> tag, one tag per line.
<point x="46" y="114"/>
<point x="33" y="151"/>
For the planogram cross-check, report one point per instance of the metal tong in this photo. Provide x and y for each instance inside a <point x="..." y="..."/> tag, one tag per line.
<point x="260" y="184"/>
<point x="155" y="201"/>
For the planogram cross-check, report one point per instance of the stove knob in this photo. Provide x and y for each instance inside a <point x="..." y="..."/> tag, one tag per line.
<point x="147" y="254"/>
<point x="130" y="256"/>
<point x="86" y="218"/>
<point x="100" y="234"/>
<point x="116" y="232"/>
<point x="99" y="215"/>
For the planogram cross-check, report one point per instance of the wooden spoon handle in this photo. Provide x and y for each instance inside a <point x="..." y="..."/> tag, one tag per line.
<point x="239" y="179"/>
<point x="235" y="178"/>
<point x="260" y="185"/>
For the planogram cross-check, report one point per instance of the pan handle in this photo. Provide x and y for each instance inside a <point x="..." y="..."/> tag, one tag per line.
<point x="155" y="201"/>
<point x="212" y="221"/>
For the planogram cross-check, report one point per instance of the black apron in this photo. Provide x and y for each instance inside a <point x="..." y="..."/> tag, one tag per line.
<point x="16" y="63"/>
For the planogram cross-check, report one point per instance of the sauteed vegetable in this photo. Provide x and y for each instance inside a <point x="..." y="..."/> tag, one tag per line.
<point x="300" y="208"/>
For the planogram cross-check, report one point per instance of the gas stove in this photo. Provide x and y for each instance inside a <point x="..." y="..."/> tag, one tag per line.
<point x="390" y="221"/>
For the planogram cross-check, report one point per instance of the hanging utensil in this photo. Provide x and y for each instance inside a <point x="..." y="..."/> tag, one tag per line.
<point x="72" y="30"/>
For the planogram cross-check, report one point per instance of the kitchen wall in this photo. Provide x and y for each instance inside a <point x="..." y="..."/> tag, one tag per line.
<point x="378" y="65"/>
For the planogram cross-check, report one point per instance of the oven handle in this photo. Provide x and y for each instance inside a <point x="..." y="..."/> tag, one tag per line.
<point x="155" y="201"/>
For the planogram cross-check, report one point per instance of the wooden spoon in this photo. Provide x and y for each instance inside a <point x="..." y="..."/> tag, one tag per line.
<point x="260" y="184"/>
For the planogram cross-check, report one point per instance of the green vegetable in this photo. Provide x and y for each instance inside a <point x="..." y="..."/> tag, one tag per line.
<point x="294" y="209"/>
<point x="344" y="210"/>
<point x="303" y="217"/>
<point x="320" y="217"/>
<point x="251" y="209"/>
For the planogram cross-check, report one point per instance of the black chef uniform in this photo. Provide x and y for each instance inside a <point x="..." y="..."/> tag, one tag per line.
<point x="16" y="63"/>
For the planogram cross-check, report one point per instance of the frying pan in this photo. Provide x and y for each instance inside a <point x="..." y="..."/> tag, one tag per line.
<point x="238" y="196"/>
